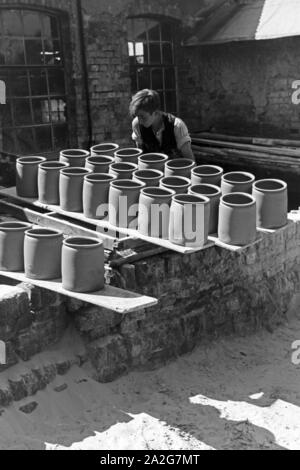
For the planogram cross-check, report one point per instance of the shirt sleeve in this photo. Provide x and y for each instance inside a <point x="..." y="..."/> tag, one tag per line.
<point x="136" y="133"/>
<point x="181" y="132"/>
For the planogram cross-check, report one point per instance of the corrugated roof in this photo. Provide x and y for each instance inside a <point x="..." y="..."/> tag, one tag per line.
<point x="262" y="19"/>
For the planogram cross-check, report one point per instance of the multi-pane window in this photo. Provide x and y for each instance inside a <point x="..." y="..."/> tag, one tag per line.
<point x="31" y="64"/>
<point x="152" y="59"/>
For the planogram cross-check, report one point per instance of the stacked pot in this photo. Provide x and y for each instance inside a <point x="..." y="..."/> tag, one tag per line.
<point x="43" y="254"/>
<point x="171" y="199"/>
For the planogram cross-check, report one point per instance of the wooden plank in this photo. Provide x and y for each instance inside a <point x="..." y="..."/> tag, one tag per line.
<point x="11" y="192"/>
<point x="248" y="140"/>
<point x="110" y="298"/>
<point x="252" y="148"/>
<point x="48" y="220"/>
<point x="255" y="157"/>
<point x="236" y="248"/>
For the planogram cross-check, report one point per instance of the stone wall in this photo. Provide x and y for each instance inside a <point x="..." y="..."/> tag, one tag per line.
<point x="242" y="88"/>
<point x="204" y="295"/>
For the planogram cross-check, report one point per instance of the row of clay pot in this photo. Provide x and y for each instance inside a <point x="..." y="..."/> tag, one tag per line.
<point x="43" y="254"/>
<point x="80" y="190"/>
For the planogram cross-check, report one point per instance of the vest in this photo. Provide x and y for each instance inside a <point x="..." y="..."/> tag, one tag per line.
<point x="168" y="145"/>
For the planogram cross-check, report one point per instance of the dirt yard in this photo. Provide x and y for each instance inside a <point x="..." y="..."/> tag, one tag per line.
<point x="232" y="394"/>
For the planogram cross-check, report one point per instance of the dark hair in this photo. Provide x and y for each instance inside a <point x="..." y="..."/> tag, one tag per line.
<point x="145" y="100"/>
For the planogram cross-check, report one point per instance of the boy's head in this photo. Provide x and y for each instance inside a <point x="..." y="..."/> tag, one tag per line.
<point x="145" y="105"/>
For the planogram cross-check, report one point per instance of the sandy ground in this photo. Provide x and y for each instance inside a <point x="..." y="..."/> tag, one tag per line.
<point x="238" y="393"/>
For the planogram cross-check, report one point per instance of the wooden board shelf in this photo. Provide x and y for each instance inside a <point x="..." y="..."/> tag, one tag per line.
<point x="111" y="298"/>
<point x="105" y="225"/>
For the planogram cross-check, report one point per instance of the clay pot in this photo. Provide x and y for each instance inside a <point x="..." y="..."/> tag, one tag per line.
<point x="122" y="171"/>
<point x="48" y="182"/>
<point x="189" y="220"/>
<point x="99" y="164"/>
<point x="42" y="254"/>
<point x="27" y="176"/>
<point x="82" y="264"/>
<point x="12" y="245"/>
<point x="151" y="178"/>
<point x="154" y="212"/>
<point x="74" y="157"/>
<point x="123" y="203"/>
<point x="95" y="195"/>
<point x="179" y="167"/>
<point x="153" y="161"/>
<point x="214" y="195"/>
<point x="237" y="182"/>
<point x="106" y="149"/>
<point x="237" y="219"/>
<point x="179" y="184"/>
<point x="271" y="203"/>
<point x="129" y="155"/>
<point x="70" y="188"/>
<point x="207" y="174"/>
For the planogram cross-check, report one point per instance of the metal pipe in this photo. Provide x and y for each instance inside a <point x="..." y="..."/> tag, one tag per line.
<point x="85" y="72"/>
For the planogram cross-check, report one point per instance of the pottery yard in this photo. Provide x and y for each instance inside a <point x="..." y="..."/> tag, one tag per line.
<point x="149" y="226"/>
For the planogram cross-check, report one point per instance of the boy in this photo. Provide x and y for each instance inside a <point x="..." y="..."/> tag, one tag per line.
<point x="155" y="131"/>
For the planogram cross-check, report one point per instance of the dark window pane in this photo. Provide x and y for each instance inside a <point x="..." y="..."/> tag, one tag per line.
<point x="12" y="23"/>
<point x="143" y="78"/>
<point x="25" y="140"/>
<point x="34" y="51"/>
<point x="58" y="110"/>
<point x="157" y="79"/>
<point x="22" y="112"/>
<point x="38" y="82"/>
<point x="2" y="52"/>
<point x="153" y="31"/>
<point x="155" y="55"/>
<point x="140" y="29"/>
<point x="133" y="77"/>
<point x="170" y="81"/>
<point x="8" y="142"/>
<point x="60" y="137"/>
<point x="43" y="138"/>
<point x="41" y="113"/>
<point x="19" y="84"/>
<point x="170" y="97"/>
<point x="56" y="81"/>
<point x="162" y="100"/>
<point x="167" y="53"/>
<point x="167" y="31"/>
<point x="50" y="27"/>
<point x="5" y="117"/>
<point x="32" y="24"/>
<point x="14" y="52"/>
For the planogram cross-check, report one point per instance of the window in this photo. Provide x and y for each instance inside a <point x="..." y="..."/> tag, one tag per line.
<point x="32" y="66"/>
<point x="152" y="60"/>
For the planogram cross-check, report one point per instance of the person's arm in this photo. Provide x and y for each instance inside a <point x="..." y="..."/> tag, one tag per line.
<point x="187" y="152"/>
<point x="183" y="139"/>
<point x="136" y="134"/>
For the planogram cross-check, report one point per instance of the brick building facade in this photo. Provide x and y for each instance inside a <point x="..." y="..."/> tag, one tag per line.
<point x="244" y="87"/>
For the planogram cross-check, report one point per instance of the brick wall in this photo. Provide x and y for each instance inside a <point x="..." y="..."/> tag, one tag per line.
<point x="242" y="88"/>
<point x="205" y="295"/>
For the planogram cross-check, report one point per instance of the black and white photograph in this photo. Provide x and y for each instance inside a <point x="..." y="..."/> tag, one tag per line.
<point x="149" y="228"/>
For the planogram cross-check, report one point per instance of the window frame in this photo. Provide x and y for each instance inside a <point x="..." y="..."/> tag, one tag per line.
<point x="62" y="21"/>
<point x="149" y="66"/>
